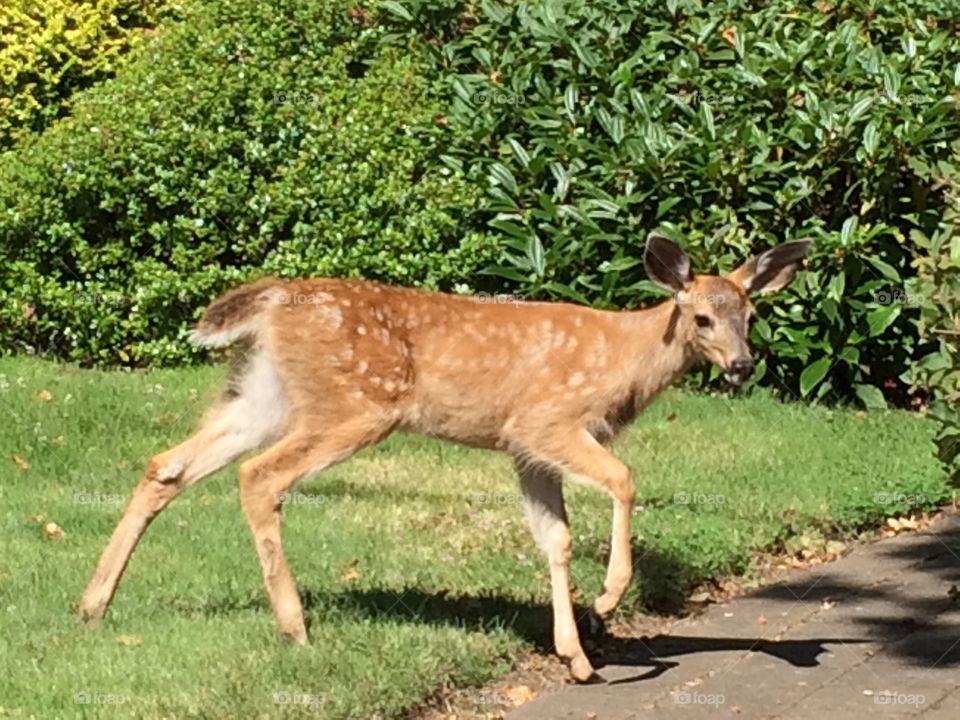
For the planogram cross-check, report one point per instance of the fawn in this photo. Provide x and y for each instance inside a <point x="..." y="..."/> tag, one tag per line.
<point x="330" y="366"/>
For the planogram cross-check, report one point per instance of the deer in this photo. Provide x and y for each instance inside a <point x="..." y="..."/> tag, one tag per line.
<point x="328" y="366"/>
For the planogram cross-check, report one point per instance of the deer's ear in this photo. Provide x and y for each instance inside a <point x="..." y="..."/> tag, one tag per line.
<point x="667" y="265"/>
<point x="771" y="270"/>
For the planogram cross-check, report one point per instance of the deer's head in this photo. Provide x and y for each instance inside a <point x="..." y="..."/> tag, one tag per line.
<point x="713" y="313"/>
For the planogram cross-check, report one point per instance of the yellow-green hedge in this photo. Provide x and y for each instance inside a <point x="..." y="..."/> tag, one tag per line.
<point x="50" y="49"/>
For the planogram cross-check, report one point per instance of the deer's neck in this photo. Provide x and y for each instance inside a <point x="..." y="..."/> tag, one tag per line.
<point x="653" y="352"/>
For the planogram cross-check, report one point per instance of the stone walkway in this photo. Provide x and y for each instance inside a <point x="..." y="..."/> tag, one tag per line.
<point x="875" y="633"/>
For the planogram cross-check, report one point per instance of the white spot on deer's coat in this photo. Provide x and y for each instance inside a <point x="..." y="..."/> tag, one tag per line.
<point x="598" y="358"/>
<point x="361" y="330"/>
<point x="575" y="379"/>
<point x="332" y="316"/>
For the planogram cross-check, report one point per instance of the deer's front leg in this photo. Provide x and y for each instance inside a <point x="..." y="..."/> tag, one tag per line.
<point x="620" y="567"/>
<point x="544" y="508"/>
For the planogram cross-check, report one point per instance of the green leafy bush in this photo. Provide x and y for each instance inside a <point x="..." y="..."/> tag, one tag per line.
<point x="51" y="48"/>
<point x="537" y="142"/>
<point x="936" y="290"/>
<point x="733" y="125"/>
<point x="251" y="138"/>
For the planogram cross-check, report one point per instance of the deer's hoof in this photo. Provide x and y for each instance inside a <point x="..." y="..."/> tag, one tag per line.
<point x="596" y="624"/>
<point x="90" y="614"/>
<point x="297" y="636"/>
<point x="87" y="620"/>
<point x="581" y="670"/>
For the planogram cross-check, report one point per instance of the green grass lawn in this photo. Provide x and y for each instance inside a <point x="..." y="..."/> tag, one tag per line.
<point x="412" y="558"/>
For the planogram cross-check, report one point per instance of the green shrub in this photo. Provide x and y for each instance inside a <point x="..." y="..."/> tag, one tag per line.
<point x="49" y="49"/>
<point x="733" y="125"/>
<point x="535" y="142"/>
<point x="936" y="290"/>
<point x="251" y="138"/>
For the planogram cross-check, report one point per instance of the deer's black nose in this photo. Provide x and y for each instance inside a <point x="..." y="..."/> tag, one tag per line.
<point x="739" y="370"/>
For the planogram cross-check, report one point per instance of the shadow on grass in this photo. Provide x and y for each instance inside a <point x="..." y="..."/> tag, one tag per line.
<point x="912" y="608"/>
<point x="532" y="623"/>
<point x="661" y="580"/>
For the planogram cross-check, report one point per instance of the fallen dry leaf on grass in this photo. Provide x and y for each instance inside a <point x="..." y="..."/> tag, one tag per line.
<point x="43" y="395"/>
<point x="20" y="461"/>
<point x="349" y="572"/>
<point x="52" y="531"/>
<point x="129" y="640"/>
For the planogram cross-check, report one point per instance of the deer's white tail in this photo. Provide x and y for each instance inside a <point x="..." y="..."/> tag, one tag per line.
<point x="236" y="314"/>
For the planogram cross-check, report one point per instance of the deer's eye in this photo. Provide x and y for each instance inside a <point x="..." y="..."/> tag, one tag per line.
<point x="703" y="321"/>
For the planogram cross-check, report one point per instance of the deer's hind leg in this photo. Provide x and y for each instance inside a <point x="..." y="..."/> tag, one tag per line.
<point x="264" y="481"/>
<point x="251" y="413"/>
<point x="544" y="508"/>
